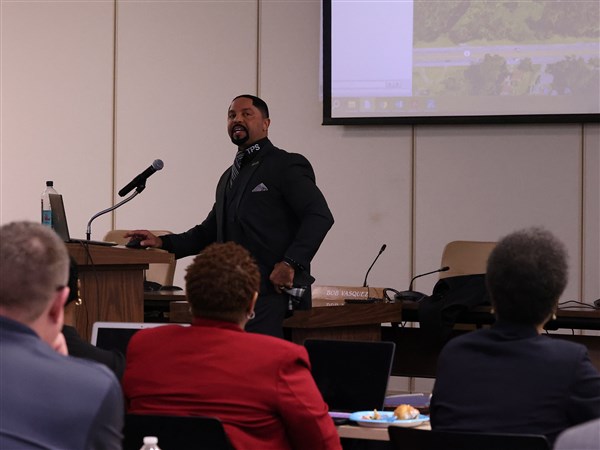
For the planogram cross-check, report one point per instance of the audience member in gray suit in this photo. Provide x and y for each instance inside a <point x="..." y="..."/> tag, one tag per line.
<point x="48" y="399"/>
<point x="511" y="378"/>
<point x="580" y="437"/>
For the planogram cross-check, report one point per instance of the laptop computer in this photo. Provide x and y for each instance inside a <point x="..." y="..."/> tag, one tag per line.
<point x="116" y="335"/>
<point x="351" y="375"/>
<point x="60" y="225"/>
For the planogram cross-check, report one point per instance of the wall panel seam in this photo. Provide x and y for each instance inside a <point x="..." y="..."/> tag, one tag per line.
<point x="258" y="39"/>
<point x="583" y="216"/>
<point x="113" y="217"/>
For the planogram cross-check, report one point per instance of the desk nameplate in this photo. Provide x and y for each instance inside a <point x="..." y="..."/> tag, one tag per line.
<point x="336" y="295"/>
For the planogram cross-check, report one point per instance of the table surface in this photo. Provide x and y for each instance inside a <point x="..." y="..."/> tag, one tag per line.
<point x="373" y="434"/>
<point x="568" y="315"/>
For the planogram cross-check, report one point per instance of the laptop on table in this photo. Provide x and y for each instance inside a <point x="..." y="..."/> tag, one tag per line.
<point x="351" y="375"/>
<point x="61" y="227"/>
<point x="116" y="335"/>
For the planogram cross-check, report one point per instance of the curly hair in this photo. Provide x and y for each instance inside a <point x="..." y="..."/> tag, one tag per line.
<point x="221" y="281"/>
<point x="34" y="263"/>
<point x="526" y="274"/>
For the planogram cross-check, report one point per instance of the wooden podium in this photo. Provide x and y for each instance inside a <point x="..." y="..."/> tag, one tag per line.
<point x="343" y="312"/>
<point x="111" y="283"/>
<point x="353" y="321"/>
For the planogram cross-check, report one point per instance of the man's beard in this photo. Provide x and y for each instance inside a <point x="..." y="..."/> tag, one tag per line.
<point x="240" y="140"/>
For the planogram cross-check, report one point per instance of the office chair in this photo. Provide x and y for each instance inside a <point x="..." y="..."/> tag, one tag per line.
<point x="466" y="257"/>
<point x="162" y="274"/>
<point x="436" y="323"/>
<point x="419" y="439"/>
<point x="175" y="432"/>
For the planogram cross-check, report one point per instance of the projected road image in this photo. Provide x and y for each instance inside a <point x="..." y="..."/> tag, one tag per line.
<point x="525" y="69"/>
<point x="465" y="57"/>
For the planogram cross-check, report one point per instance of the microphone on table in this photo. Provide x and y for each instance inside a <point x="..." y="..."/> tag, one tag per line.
<point x="139" y="181"/>
<point x="415" y="296"/>
<point x="381" y="250"/>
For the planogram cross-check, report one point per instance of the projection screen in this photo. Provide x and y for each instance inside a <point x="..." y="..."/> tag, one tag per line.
<point x="460" y="61"/>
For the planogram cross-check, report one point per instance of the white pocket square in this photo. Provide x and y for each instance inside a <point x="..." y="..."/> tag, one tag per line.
<point x="260" y="188"/>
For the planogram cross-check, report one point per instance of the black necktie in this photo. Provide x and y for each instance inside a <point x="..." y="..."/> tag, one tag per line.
<point x="237" y="165"/>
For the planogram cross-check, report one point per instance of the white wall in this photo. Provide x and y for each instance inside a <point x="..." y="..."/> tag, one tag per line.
<point x="56" y="108"/>
<point x="178" y="64"/>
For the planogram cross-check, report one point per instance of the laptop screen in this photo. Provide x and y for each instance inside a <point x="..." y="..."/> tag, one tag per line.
<point x="59" y="217"/>
<point x="351" y="375"/>
<point x="116" y="335"/>
<point x="60" y="224"/>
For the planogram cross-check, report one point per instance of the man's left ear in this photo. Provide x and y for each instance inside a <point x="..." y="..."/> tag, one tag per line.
<point x="266" y="123"/>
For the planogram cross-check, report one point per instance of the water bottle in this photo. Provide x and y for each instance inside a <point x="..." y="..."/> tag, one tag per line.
<point x="150" y="443"/>
<point x="46" y="208"/>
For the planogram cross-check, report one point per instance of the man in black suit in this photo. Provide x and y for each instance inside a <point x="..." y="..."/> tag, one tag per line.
<point x="268" y="202"/>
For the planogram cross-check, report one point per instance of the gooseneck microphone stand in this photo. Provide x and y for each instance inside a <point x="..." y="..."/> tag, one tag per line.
<point x="138" y="190"/>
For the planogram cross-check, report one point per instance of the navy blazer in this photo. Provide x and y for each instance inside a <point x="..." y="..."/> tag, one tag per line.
<point x="510" y="379"/>
<point x="52" y="401"/>
<point x="274" y="209"/>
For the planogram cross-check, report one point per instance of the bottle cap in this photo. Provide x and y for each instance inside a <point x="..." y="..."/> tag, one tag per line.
<point x="150" y="440"/>
<point x="49" y="183"/>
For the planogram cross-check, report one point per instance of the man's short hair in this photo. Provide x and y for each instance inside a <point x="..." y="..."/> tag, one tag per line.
<point x="34" y="263"/>
<point x="221" y="281"/>
<point x="526" y="274"/>
<point x="258" y="103"/>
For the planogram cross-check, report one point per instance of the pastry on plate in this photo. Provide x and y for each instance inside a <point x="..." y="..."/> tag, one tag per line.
<point x="406" y="412"/>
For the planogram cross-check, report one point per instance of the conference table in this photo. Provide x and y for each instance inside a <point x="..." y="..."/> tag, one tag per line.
<point x="356" y="437"/>
<point x="349" y="431"/>
<point x="416" y="358"/>
<point x="393" y="322"/>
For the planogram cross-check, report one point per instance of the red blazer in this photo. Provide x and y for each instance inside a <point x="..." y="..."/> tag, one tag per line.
<point x="259" y="386"/>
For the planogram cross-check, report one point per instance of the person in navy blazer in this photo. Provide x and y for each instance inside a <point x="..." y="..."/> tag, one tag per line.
<point x="271" y="205"/>
<point x="511" y="378"/>
<point x="48" y="400"/>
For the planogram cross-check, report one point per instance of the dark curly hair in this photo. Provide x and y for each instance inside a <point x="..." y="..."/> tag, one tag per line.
<point x="526" y="274"/>
<point x="221" y="281"/>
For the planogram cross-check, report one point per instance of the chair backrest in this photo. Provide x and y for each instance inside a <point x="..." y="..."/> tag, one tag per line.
<point x="466" y="257"/>
<point x="175" y="432"/>
<point x="418" y="439"/>
<point x="162" y="274"/>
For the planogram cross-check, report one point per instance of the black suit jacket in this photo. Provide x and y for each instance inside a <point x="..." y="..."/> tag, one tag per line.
<point x="274" y="209"/>
<point x="79" y="348"/>
<point x="509" y="379"/>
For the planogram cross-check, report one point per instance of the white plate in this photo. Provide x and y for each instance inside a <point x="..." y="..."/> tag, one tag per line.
<point x="387" y="419"/>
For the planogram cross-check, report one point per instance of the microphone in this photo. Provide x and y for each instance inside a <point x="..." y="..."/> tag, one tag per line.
<point x="378" y="255"/>
<point x="138" y="183"/>
<point x="140" y="180"/>
<point x="415" y="296"/>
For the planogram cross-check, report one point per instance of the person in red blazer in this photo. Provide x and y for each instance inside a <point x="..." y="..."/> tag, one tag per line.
<point x="259" y="386"/>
